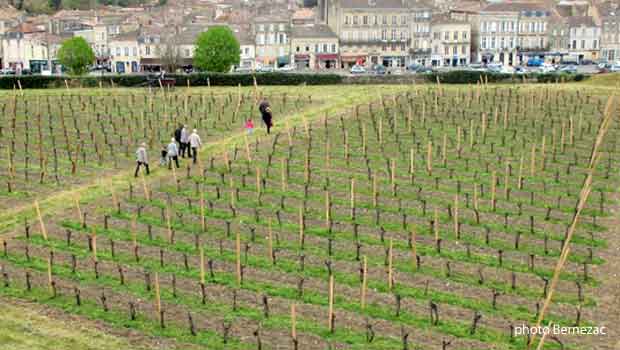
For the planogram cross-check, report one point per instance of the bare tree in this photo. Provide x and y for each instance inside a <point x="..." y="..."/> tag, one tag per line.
<point x="169" y="53"/>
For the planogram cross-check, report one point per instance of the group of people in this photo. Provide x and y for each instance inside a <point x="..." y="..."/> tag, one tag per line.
<point x="187" y="144"/>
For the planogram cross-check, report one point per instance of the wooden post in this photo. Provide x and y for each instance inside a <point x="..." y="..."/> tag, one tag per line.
<point x="352" y="195"/>
<point x="444" y="157"/>
<point x="429" y="158"/>
<point x="238" y="255"/>
<point x="77" y="207"/>
<point x="157" y="295"/>
<point x="301" y="227"/>
<point x="414" y="252"/>
<point x="475" y="199"/>
<point x="40" y="217"/>
<point x="374" y="190"/>
<point x="93" y="239"/>
<point x="533" y="160"/>
<point x="134" y="232"/>
<point x="203" y="223"/>
<point x="542" y="154"/>
<point x="411" y="160"/>
<point x="471" y="133"/>
<point x="327" y="205"/>
<point x="49" y="275"/>
<point x="168" y="224"/>
<point x="247" y="148"/>
<point x="493" y="182"/>
<point x="436" y="224"/>
<point x="390" y="270"/>
<point x="202" y="265"/>
<point x="506" y="178"/>
<point x="393" y="174"/>
<point x="258" y="189"/>
<point x="458" y="139"/>
<point x="455" y="216"/>
<point x="520" y="178"/>
<point x="293" y="322"/>
<point x="364" y="282"/>
<point x="331" y="303"/>
<point x="364" y="138"/>
<point x="144" y="186"/>
<point x="270" y="238"/>
<point x="283" y="175"/>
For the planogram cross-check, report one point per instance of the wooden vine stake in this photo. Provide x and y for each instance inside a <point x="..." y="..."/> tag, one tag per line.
<point x="364" y="283"/>
<point x="414" y="252"/>
<point x="202" y="265"/>
<point x="283" y="175"/>
<point x="145" y="186"/>
<point x="293" y="322"/>
<point x="455" y="216"/>
<point x="203" y="222"/>
<point x="429" y="158"/>
<point x="50" y="282"/>
<point x="506" y="179"/>
<point x="77" y="207"/>
<point x="270" y="238"/>
<point x="40" y="217"/>
<point x="238" y="256"/>
<point x="168" y="224"/>
<point x="93" y="240"/>
<point x="158" y="297"/>
<point x="533" y="160"/>
<point x="493" y="183"/>
<point x="301" y="227"/>
<point x="520" y="178"/>
<point x="390" y="264"/>
<point x="352" y="196"/>
<point x="374" y="190"/>
<point x="331" y="303"/>
<point x="247" y="148"/>
<point x="436" y="224"/>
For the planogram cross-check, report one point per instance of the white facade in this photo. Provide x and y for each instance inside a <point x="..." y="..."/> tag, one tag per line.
<point x="125" y="56"/>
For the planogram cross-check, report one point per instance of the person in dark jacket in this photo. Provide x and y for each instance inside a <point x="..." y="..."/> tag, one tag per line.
<point x="265" y="110"/>
<point x="177" y="135"/>
<point x="184" y="143"/>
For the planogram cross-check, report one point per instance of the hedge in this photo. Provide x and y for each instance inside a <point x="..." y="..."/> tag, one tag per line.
<point x="234" y="79"/>
<point x="197" y="79"/>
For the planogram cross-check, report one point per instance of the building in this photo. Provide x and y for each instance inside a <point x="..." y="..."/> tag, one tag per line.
<point x="124" y="53"/>
<point x="314" y="47"/>
<point x="512" y="33"/>
<point x="371" y="31"/>
<point x="609" y="14"/>
<point x="29" y="46"/>
<point x="272" y="34"/>
<point x="420" y="29"/>
<point x="248" y="50"/>
<point x="450" y="43"/>
<point x="584" y="38"/>
<point x="557" y="38"/>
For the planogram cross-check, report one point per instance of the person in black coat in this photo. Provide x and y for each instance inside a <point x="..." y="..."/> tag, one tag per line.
<point x="177" y="134"/>
<point x="265" y="110"/>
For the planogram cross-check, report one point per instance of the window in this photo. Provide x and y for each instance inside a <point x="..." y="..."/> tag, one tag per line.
<point x="446" y="51"/>
<point x="574" y="44"/>
<point x="594" y="44"/>
<point x="347" y="20"/>
<point x="484" y="27"/>
<point x="272" y="27"/>
<point x="384" y="20"/>
<point x="502" y="26"/>
<point x="297" y="49"/>
<point x="512" y="43"/>
<point x="325" y="48"/>
<point x="281" y="27"/>
<point x="187" y="53"/>
<point x="502" y="43"/>
<point x="126" y="51"/>
<point x="148" y="50"/>
<point x="463" y="50"/>
<point x="446" y="36"/>
<point x="492" y="42"/>
<point x="365" y="20"/>
<point x="316" y="48"/>
<point x="464" y="35"/>
<point x="384" y="34"/>
<point x="436" y="35"/>
<point x="454" y="50"/>
<point x="355" y="20"/>
<point x="135" y="51"/>
<point x="307" y="48"/>
<point x="583" y="44"/>
<point x="394" y="20"/>
<point x="374" y="20"/>
<point x="455" y="36"/>
<point x="333" y="48"/>
<point x="403" y="20"/>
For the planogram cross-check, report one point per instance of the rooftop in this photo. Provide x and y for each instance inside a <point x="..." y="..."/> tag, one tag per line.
<point x="369" y="4"/>
<point x="515" y="7"/>
<point x="579" y="21"/>
<point x="312" y="31"/>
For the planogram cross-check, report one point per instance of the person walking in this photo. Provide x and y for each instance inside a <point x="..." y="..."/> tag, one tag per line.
<point x="173" y="154"/>
<point x="185" y="142"/>
<point x="195" y="143"/>
<point x="249" y="126"/>
<point x="265" y="111"/>
<point x="177" y="134"/>
<point x="142" y="159"/>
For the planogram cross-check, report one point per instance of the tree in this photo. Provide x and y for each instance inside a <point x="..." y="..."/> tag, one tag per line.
<point x="217" y="50"/>
<point x="76" y="55"/>
<point x="169" y="53"/>
<point x="55" y="4"/>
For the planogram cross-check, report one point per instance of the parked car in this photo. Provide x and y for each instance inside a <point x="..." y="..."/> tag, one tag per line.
<point x="586" y="62"/>
<point x="7" y="71"/>
<point x="570" y="69"/>
<point x="521" y="70"/>
<point x="357" y="69"/>
<point x="413" y="67"/>
<point x="615" y="67"/>
<point x="535" y="62"/>
<point x="378" y="69"/>
<point x="264" y="69"/>
<point x="547" y="68"/>
<point x="476" y="67"/>
<point x="286" y="68"/>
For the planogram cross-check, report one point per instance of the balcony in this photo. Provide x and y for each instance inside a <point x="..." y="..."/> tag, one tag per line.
<point x="374" y="41"/>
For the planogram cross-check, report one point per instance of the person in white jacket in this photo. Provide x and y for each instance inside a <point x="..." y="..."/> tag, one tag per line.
<point x="172" y="151"/>
<point x="195" y="143"/>
<point x="142" y="159"/>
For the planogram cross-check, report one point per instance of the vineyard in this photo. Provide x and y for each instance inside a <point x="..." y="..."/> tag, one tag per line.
<point x="408" y="217"/>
